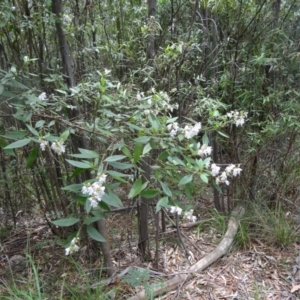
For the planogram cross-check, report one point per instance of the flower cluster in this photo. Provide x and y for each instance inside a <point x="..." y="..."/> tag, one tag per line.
<point x="173" y="128"/>
<point x="230" y="170"/>
<point x="95" y="190"/>
<point x="43" y="144"/>
<point x="191" y="131"/>
<point x="157" y="102"/>
<point x="189" y="216"/>
<point x="175" y="209"/>
<point x="238" y="117"/>
<point x="204" y="150"/>
<point x="73" y="246"/>
<point x="42" y="96"/>
<point x="58" y="147"/>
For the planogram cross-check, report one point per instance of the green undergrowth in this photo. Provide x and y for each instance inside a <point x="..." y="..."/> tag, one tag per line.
<point x="271" y="226"/>
<point x="70" y="282"/>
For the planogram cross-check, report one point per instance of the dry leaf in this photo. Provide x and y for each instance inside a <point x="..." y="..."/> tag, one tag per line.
<point x="295" y="288"/>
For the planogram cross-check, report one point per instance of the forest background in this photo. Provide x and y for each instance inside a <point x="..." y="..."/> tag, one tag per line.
<point x="142" y="101"/>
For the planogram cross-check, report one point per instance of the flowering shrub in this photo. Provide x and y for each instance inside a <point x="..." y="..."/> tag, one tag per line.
<point x="182" y="161"/>
<point x="73" y="246"/>
<point x="95" y="190"/>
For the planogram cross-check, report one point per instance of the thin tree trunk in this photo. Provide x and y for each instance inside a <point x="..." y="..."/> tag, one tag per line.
<point x="68" y="70"/>
<point x="143" y="209"/>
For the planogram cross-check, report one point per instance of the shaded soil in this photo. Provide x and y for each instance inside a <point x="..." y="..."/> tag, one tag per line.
<point x="257" y="272"/>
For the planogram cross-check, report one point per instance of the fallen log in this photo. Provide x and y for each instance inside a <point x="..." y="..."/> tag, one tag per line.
<point x="219" y="251"/>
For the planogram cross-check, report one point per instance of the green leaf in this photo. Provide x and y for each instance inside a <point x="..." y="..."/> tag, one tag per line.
<point x="51" y="123"/>
<point x="204" y="177"/>
<point x="18" y="144"/>
<point x="73" y="187"/>
<point x="126" y="151"/>
<point x="205" y="139"/>
<point x="77" y="172"/>
<point x="114" y="158"/>
<point x="94" y="234"/>
<point x="176" y="161"/>
<point x="137" y="187"/>
<point x="137" y="152"/>
<point x="163" y="155"/>
<point x="3" y="144"/>
<point x="65" y="222"/>
<point x="32" y="130"/>
<point x="86" y="154"/>
<point x="39" y="123"/>
<point x="186" y="179"/>
<point x="166" y="189"/>
<point x="148" y="194"/>
<point x="188" y="191"/>
<point x="163" y="202"/>
<point x="79" y="164"/>
<point x="142" y="139"/>
<point x="116" y="174"/>
<point x="65" y="135"/>
<point x="147" y="148"/>
<point x="172" y="120"/>
<point x="121" y="166"/>
<point x="112" y="199"/>
<point x="15" y="135"/>
<point x="89" y="153"/>
<point x="153" y="121"/>
<point x="223" y="134"/>
<point x="134" y="126"/>
<point x="93" y="219"/>
<point x="32" y="157"/>
<point x="98" y="213"/>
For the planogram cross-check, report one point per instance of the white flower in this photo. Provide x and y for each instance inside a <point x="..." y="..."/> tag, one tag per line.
<point x="229" y="169"/>
<point x="223" y="177"/>
<point x="58" y="147"/>
<point x="42" y="96"/>
<point x="147" y="112"/>
<point x="204" y="150"/>
<point x="173" y="128"/>
<point x="189" y="216"/>
<point x="239" y="117"/>
<point x="43" y="144"/>
<point x="229" y="114"/>
<point x="96" y="190"/>
<point x="102" y="178"/>
<point x="73" y="246"/>
<point x="214" y="170"/>
<point x="85" y="189"/>
<point x="153" y="90"/>
<point x="175" y="209"/>
<point x="239" y="122"/>
<point x="173" y="133"/>
<point x="94" y="202"/>
<point x="106" y="71"/>
<point x="191" y="131"/>
<point x="149" y="101"/>
<point x="138" y="96"/>
<point x="236" y="171"/>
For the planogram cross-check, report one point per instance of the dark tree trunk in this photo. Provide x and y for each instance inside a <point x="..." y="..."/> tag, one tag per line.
<point x="143" y="209"/>
<point x="68" y="70"/>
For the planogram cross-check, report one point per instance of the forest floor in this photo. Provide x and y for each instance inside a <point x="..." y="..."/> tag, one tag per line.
<point x="257" y="271"/>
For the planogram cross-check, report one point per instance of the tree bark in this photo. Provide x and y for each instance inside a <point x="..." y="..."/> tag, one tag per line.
<point x="143" y="209"/>
<point x="68" y="70"/>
